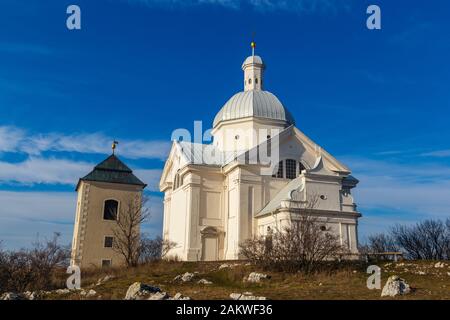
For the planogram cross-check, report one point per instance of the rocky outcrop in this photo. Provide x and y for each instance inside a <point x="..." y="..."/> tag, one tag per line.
<point x="13" y="296"/>
<point x="204" y="281"/>
<point x="140" y="291"/>
<point x="159" y="296"/>
<point x="104" y="279"/>
<point x="246" y="296"/>
<point x="256" y="277"/>
<point x="395" y="286"/>
<point x="179" y="296"/>
<point x="88" y="294"/>
<point x="186" y="277"/>
<point x="228" y="265"/>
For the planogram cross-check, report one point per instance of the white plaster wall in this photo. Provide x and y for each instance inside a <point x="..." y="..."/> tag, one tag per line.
<point x="177" y="223"/>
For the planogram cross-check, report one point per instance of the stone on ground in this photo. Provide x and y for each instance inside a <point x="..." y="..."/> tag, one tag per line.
<point x="256" y="277"/>
<point x="186" y="277"/>
<point x="204" y="281"/>
<point x="140" y="291"/>
<point x="245" y="296"/>
<point x="179" y="296"/>
<point x="395" y="286"/>
<point x="12" y="296"/>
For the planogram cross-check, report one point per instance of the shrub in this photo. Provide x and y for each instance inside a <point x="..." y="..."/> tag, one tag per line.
<point x="303" y="246"/>
<point x="32" y="269"/>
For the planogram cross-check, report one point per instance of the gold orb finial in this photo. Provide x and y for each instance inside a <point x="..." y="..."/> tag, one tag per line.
<point x="114" y="145"/>
<point x="253" y="44"/>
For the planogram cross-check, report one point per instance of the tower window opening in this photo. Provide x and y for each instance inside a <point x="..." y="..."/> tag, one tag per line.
<point x="108" y="242"/>
<point x="256" y="80"/>
<point x="106" y="263"/>
<point x="291" y="169"/>
<point x="110" y="210"/>
<point x="250" y="81"/>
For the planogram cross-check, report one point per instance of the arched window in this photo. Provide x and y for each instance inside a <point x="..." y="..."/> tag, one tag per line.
<point x="177" y="181"/>
<point x="250" y="81"/>
<point x="291" y="169"/>
<point x="110" y="210"/>
<point x="256" y="80"/>
<point x="280" y="170"/>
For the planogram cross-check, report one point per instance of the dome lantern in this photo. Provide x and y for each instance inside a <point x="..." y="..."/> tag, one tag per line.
<point x="253" y="68"/>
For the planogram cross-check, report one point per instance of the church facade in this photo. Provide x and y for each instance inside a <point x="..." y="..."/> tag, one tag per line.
<point x="210" y="207"/>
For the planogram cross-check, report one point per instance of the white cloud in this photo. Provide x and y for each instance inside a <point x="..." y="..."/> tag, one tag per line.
<point x="419" y="189"/>
<point x="24" y="215"/>
<point x="437" y="153"/>
<point x="39" y="170"/>
<point x="13" y="139"/>
<point x="10" y="138"/>
<point x="61" y="171"/>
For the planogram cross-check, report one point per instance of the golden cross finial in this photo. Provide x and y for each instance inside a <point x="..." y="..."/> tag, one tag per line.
<point x="114" y="145"/>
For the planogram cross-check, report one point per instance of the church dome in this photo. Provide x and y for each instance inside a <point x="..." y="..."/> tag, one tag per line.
<point x="253" y="103"/>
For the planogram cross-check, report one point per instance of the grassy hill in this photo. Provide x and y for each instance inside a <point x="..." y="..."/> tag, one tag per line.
<point x="348" y="282"/>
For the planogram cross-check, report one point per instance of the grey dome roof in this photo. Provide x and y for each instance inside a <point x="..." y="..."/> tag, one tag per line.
<point x="253" y="103"/>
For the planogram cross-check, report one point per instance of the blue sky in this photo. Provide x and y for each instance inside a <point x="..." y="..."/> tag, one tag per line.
<point x="138" y="69"/>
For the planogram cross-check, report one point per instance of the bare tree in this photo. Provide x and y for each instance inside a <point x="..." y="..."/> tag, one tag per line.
<point x="304" y="245"/>
<point x="127" y="237"/>
<point x="426" y="240"/>
<point x="154" y="249"/>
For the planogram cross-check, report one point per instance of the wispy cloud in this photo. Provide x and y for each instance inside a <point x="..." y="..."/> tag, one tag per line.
<point x="24" y="215"/>
<point x="437" y="154"/>
<point x="418" y="189"/>
<point x="13" y="139"/>
<point x="36" y="170"/>
<point x="298" y="6"/>
<point x="40" y="170"/>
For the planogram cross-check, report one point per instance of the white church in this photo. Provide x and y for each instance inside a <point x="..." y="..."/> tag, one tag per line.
<point x="210" y="207"/>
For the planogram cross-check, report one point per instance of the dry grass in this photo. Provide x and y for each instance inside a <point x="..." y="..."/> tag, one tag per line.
<point x="348" y="282"/>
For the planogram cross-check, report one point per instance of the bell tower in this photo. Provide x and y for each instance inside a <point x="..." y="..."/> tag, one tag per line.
<point x="103" y="198"/>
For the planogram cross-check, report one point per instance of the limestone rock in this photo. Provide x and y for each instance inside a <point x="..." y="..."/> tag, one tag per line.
<point x="12" y="296"/>
<point x="204" y="281"/>
<point x="140" y="291"/>
<point x="179" y="296"/>
<point x="439" y="265"/>
<point x="88" y="294"/>
<point x="245" y="296"/>
<point x="255" y="277"/>
<point x="186" y="277"/>
<point x="228" y="265"/>
<point x="159" y="296"/>
<point x="104" y="279"/>
<point x="395" y="286"/>
<point x="32" y="295"/>
<point x="422" y="273"/>
<point x="62" y="291"/>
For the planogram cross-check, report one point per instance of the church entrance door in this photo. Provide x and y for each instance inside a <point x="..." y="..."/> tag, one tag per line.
<point x="210" y="248"/>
